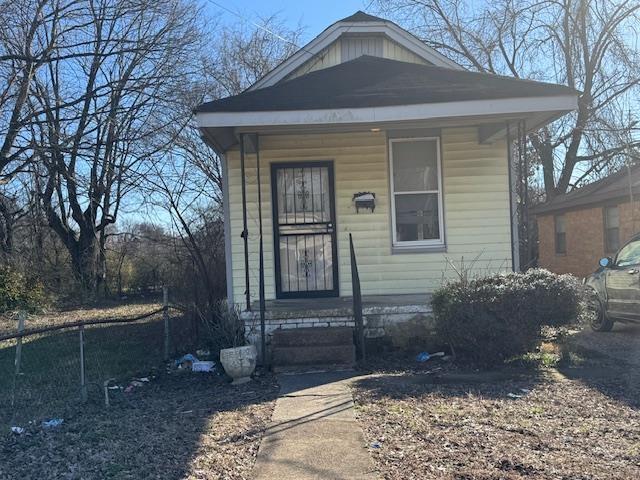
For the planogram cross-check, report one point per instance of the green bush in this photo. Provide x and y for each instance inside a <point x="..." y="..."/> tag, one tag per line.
<point x="17" y="292"/>
<point x="492" y="319"/>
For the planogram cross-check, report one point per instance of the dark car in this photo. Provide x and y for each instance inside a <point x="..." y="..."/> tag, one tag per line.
<point x="615" y="288"/>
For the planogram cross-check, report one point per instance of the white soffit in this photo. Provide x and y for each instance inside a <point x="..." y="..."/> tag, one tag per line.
<point x="426" y="111"/>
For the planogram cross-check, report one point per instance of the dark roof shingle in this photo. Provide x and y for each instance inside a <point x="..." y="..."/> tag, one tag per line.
<point x="377" y="82"/>
<point x="361" y="16"/>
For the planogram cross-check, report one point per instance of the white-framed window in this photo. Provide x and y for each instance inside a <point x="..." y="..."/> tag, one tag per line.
<point x="416" y="192"/>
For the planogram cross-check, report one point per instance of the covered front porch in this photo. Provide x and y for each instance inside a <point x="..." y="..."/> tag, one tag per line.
<point x="390" y="321"/>
<point x="412" y="164"/>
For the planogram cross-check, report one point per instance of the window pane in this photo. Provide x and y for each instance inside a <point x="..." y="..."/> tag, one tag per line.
<point x="611" y="217"/>
<point x="306" y="263"/>
<point x="417" y="217"/>
<point x="561" y="243"/>
<point x="415" y="166"/>
<point x="303" y="195"/>
<point x="629" y="255"/>
<point x="612" y="237"/>
<point x="560" y="224"/>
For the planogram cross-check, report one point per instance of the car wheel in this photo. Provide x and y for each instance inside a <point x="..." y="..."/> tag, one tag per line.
<point x="598" y="319"/>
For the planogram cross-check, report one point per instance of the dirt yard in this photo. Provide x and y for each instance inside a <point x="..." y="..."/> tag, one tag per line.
<point x="576" y="422"/>
<point x="180" y="426"/>
<point x="172" y="425"/>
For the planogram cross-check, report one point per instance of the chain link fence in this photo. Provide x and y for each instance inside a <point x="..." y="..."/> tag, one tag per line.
<point x="51" y="368"/>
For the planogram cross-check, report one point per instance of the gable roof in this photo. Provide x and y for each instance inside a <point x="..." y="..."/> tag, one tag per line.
<point x="359" y="22"/>
<point x="613" y="187"/>
<point x="378" y="82"/>
<point x="361" y="16"/>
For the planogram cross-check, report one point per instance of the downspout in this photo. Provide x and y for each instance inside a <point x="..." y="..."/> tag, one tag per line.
<point x="227" y="227"/>
<point x="515" y="259"/>
<point x="245" y="233"/>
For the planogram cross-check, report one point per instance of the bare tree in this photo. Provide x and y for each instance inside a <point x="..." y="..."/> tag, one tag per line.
<point x="245" y="53"/>
<point x="99" y="106"/>
<point x="23" y="52"/>
<point x="584" y="44"/>
<point x="187" y="180"/>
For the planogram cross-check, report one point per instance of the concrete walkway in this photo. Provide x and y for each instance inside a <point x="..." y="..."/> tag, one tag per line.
<point x="313" y="432"/>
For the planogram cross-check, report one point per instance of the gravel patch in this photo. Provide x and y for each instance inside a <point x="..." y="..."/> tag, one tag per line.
<point x="622" y="343"/>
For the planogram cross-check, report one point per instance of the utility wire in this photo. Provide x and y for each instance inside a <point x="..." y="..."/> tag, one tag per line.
<point x="271" y="32"/>
<point x="257" y="25"/>
<point x="345" y="32"/>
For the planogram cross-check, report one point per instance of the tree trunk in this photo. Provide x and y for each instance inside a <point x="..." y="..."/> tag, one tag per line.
<point x="84" y="262"/>
<point x="6" y="228"/>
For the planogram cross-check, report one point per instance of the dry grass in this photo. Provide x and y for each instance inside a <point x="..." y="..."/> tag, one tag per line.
<point x="48" y="383"/>
<point x="580" y="424"/>
<point x="179" y="426"/>
<point x="8" y="322"/>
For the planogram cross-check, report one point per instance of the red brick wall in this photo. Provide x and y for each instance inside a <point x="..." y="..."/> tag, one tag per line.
<point x="585" y="238"/>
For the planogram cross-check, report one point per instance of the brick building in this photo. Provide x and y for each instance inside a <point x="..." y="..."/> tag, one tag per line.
<point x="576" y="229"/>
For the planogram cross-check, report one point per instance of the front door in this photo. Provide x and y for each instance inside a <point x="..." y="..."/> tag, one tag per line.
<point x="304" y="230"/>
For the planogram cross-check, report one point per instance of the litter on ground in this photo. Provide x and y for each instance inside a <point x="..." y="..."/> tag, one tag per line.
<point x="186" y="361"/>
<point x="203" y="366"/>
<point x="425" y="356"/>
<point x="53" y="423"/>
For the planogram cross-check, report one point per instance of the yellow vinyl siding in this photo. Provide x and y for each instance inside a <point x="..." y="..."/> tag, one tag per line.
<point x="476" y="210"/>
<point x="331" y="56"/>
<point x="394" y="51"/>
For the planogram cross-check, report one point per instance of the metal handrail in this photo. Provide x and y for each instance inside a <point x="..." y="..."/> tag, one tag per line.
<point x="357" y="304"/>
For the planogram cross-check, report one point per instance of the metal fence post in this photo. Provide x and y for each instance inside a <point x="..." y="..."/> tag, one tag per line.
<point x="22" y="316"/>
<point x="83" y="380"/>
<point x="165" y="317"/>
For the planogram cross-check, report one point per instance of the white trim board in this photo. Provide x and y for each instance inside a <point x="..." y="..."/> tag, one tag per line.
<point x="425" y="111"/>
<point x="332" y="33"/>
<point x="408" y="245"/>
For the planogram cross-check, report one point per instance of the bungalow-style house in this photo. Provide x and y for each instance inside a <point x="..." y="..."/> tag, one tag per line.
<point x="368" y="133"/>
<point x="577" y="229"/>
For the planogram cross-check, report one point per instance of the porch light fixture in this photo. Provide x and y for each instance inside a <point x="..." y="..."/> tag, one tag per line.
<point x="364" y="200"/>
<point x="375" y="130"/>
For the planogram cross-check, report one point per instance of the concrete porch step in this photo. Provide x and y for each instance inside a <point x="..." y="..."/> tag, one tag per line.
<point x="312" y="336"/>
<point x="308" y="355"/>
<point x="313" y="369"/>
